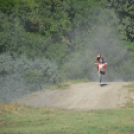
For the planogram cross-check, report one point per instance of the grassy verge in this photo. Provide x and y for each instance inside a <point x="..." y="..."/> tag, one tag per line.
<point x="130" y="87"/>
<point x="65" y="85"/>
<point x="24" y="119"/>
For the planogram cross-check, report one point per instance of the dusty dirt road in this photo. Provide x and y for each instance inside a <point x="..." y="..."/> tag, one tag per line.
<point x="81" y="97"/>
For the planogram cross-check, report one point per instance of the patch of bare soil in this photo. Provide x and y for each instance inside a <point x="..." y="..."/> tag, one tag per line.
<point x="81" y="97"/>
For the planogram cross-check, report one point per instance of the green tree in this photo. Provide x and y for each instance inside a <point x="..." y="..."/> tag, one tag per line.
<point x="125" y="12"/>
<point x="6" y="6"/>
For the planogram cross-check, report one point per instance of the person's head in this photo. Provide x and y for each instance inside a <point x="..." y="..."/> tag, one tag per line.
<point x="98" y="56"/>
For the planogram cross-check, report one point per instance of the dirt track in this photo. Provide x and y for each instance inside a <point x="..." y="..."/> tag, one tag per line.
<point x="81" y="97"/>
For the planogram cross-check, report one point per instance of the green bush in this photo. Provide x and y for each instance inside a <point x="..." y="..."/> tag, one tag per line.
<point x="40" y="72"/>
<point x="19" y="76"/>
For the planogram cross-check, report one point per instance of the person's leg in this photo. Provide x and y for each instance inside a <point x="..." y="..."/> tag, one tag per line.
<point x="104" y="67"/>
<point x="98" y="71"/>
<point x="97" y="68"/>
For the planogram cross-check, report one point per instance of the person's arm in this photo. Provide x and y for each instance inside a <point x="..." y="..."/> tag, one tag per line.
<point x="104" y="61"/>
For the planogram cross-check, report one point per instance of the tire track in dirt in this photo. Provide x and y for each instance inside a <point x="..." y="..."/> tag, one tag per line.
<point x="81" y="97"/>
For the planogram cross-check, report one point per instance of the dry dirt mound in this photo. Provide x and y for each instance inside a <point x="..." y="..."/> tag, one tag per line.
<point x="81" y="97"/>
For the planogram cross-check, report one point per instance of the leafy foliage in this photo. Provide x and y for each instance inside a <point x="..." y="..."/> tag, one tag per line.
<point x="6" y="6"/>
<point x="43" y="28"/>
<point x="20" y="76"/>
<point x="126" y="16"/>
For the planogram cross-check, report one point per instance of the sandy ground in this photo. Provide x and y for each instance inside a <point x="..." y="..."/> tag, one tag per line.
<point x="81" y="97"/>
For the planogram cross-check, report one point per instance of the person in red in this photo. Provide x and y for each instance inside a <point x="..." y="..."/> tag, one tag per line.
<point x="100" y="60"/>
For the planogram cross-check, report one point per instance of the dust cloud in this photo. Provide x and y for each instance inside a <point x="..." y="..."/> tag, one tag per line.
<point x="106" y="40"/>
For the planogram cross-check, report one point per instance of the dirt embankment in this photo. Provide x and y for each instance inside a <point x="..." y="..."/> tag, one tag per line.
<point x="81" y="97"/>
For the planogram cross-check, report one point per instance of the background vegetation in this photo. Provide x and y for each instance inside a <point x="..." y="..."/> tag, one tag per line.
<point x="47" y="41"/>
<point x="19" y="76"/>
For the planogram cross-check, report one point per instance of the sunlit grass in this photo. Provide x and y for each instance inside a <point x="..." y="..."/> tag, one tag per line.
<point x="23" y="119"/>
<point x="130" y="87"/>
<point x="65" y="85"/>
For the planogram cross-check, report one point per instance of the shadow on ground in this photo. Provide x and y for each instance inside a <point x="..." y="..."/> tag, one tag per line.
<point x="103" y="85"/>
